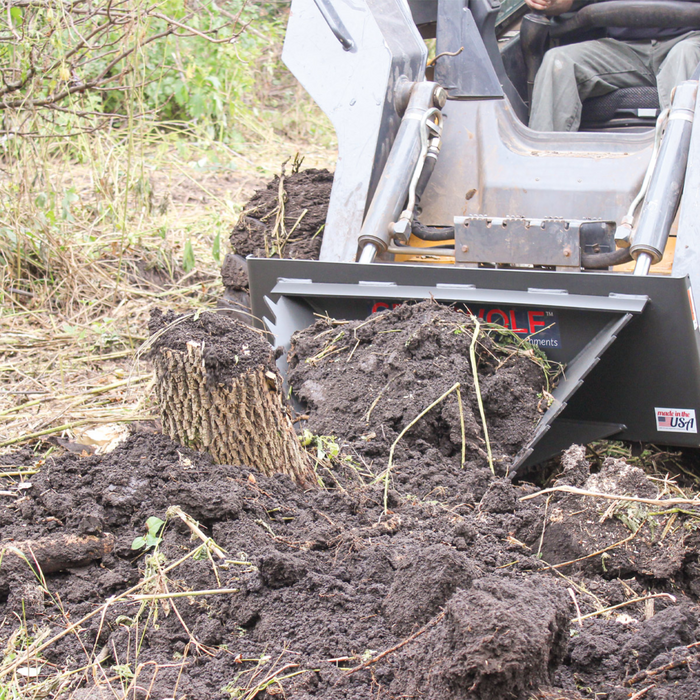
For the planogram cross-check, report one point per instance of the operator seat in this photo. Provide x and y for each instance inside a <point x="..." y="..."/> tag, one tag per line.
<point x="625" y="107"/>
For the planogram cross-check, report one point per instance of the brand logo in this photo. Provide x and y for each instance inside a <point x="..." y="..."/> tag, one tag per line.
<point x="676" y="420"/>
<point x="538" y="326"/>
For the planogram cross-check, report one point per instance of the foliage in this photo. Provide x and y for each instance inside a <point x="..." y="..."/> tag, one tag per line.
<point x="74" y="56"/>
<point x="151" y="539"/>
<point x="109" y="204"/>
<point x="83" y="65"/>
<point x="326" y="445"/>
<point x="220" y="83"/>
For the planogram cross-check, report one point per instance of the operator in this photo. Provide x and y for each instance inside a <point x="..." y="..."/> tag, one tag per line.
<point x="625" y="58"/>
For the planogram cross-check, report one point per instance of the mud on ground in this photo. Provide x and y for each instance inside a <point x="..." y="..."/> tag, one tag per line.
<point x="459" y="590"/>
<point x="326" y="581"/>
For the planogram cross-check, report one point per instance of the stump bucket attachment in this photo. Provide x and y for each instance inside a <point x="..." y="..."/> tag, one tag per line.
<point x="441" y="191"/>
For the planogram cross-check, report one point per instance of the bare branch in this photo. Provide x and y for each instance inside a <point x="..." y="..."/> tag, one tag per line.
<point x="57" y="51"/>
<point x="196" y="32"/>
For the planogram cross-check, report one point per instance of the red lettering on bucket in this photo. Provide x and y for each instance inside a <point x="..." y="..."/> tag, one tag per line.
<point x="533" y="322"/>
<point x="497" y="312"/>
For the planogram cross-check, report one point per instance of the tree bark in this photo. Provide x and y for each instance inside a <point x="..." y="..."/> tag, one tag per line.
<point x="243" y="421"/>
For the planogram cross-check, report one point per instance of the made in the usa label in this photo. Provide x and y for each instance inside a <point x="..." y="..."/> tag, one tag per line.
<point x="676" y="420"/>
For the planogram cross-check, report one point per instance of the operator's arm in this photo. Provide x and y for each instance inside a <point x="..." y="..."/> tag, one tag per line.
<point x="551" y="7"/>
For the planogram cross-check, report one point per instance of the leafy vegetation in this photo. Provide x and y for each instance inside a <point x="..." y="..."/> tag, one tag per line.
<point x="121" y="194"/>
<point x="72" y="65"/>
<point x="152" y="538"/>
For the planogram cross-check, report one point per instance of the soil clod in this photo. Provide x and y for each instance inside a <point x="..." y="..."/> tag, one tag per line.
<point x="286" y="218"/>
<point x="500" y="638"/>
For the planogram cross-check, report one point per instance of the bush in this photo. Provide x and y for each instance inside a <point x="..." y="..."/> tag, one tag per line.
<point x="84" y="64"/>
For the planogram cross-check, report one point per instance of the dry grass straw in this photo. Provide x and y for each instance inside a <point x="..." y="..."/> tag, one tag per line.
<point x="93" y="234"/>
<point x="24" y="673"/>
<point x="259" y="679"/>
<point x="631" y="601"/>
<point x="387" y="472"/>
<point x="477" y="389"/>
<point x="613" y="497"/>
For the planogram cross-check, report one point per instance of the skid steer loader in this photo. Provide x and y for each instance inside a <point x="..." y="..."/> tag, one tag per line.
<point x="442" y="191"/>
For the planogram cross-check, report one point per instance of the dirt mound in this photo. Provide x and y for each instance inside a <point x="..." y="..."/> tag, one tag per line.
<point x="622" y="540"/>
<point x="286" y="218"/>
<point x="230" y="348"/>
<point x="283" y="220"/>
<point x="321" y="593"/>
<point x="365" y="381"/>
<point x="500" y="638"/>
<point x="654" y="653"/>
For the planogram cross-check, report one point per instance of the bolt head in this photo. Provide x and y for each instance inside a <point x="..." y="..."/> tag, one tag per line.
<point x="402" y="229"/>
<point x="465" y="248"/>
<point x="567" y="253"/>
<point x="439" y="97"/>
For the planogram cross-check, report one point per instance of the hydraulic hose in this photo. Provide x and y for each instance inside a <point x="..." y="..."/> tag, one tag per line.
<point x="432" y="233"/>
<point x="601" y="261"/>
<point x="426" y="151"/>
<point x="425" y="174"/>
<point x="428" y="233"/>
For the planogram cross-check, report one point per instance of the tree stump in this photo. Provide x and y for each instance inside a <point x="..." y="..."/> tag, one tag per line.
<point x="219" y="390"/>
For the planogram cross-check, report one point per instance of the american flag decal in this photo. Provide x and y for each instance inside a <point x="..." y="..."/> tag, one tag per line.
<point x="676" y="420"/>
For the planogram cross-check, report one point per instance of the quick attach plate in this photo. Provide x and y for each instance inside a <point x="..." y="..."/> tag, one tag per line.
<point x="516" y="241"/>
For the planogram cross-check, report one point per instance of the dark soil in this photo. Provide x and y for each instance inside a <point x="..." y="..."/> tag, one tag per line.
<point x="365" y="381"/>
<point x="573" y="531"/>
<point x="263" y="232"/>
<point x="334" y="582"/>
<point x="230" y="347"/>
<point x="459" y="590"/>
<point x="299" y="232"/>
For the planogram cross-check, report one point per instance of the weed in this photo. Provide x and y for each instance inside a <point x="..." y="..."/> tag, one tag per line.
<point x="123" y="671"/>
<point x="249" y="684"/>
<point x="327" y="446"/>
<point x="151" y="539"/>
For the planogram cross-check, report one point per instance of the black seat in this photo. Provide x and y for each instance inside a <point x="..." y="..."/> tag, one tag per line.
<point x="634" y="106"/>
